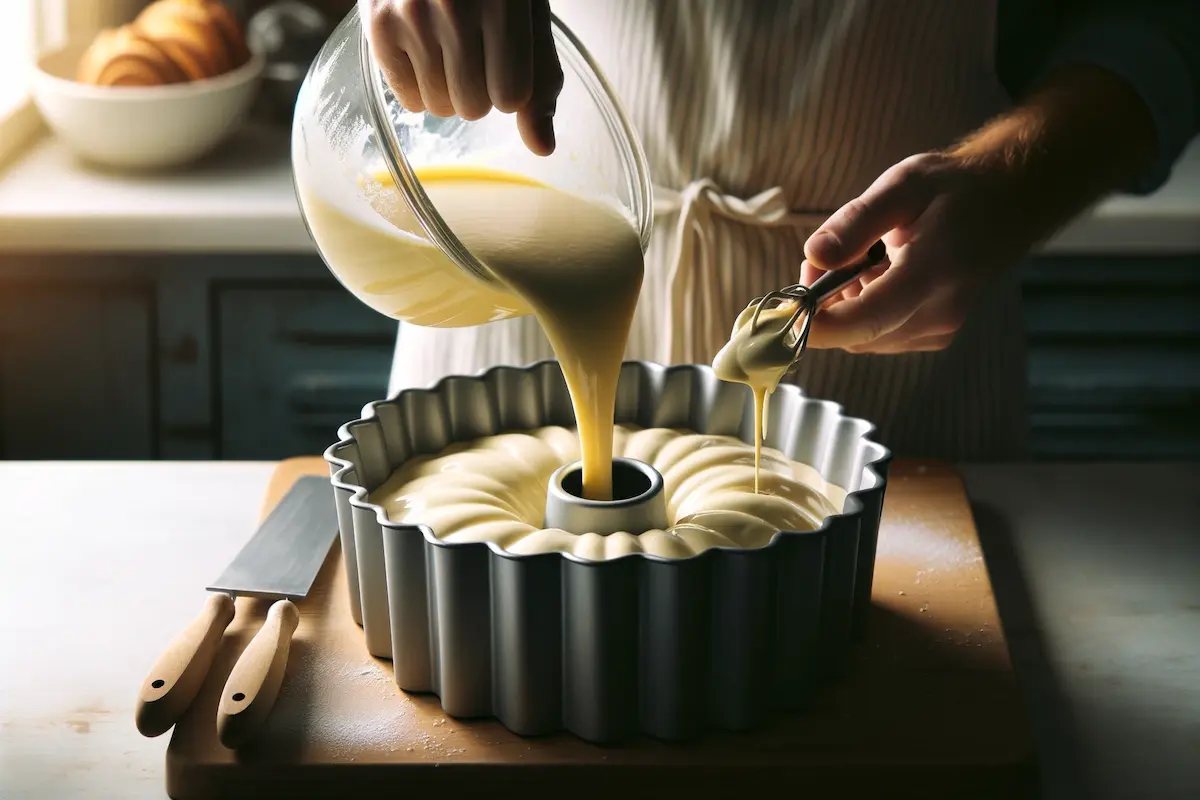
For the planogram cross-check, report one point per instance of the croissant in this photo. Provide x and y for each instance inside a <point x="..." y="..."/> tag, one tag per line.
<point x="227" y="27"/>
<point x="124" y="57"/>
<point x="171" y="41"/>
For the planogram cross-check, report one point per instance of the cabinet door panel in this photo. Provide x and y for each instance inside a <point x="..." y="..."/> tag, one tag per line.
<point x="75" y="372"/>
<point x="294" y="364"/>
<point x="1114" y="357"/>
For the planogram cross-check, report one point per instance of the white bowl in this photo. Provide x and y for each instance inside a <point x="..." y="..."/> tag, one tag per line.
<point x="136" y="127"/>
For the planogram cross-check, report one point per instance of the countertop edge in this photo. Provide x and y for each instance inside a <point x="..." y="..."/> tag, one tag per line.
<point x="285" y="233"/>
<point x="252" y="234"/>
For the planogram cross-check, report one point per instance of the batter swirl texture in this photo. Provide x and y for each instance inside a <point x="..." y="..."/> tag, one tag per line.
<point x="493" y="489"/>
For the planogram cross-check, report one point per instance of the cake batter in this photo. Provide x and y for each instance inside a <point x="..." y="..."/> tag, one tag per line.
<point x="758" y="356"/>
<point x="574" y="263"/>
<point x="493" y="489"/>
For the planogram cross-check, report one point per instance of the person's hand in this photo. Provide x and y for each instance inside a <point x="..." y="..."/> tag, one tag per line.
<point x="948" y="230"/>
<point x="464" y="57"/>
<point x="953" y="221"/>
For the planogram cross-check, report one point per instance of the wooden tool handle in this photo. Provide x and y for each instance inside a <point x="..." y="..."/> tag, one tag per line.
<point x="180" y="671"/>
<point x="254" y="682"/>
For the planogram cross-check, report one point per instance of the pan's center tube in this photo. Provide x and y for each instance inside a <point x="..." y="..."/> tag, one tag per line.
<point x="638" y="503"/>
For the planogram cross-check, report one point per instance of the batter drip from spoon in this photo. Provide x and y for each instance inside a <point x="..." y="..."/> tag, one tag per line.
<point x="768" y="340"/>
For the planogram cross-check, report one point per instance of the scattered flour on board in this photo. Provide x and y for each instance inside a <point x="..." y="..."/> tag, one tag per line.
<point x="391" y="724"/>
<point x="935" y="547"/>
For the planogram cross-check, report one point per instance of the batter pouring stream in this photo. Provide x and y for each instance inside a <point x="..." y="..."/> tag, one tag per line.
<point x="575" y="263"/>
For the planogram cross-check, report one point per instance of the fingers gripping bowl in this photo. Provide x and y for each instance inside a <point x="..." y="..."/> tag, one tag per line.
<point x="635" y="643"/>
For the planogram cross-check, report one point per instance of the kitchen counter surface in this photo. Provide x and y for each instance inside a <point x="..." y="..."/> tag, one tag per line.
<point x="241" y="200"/>
<point x="1095" y="570"/>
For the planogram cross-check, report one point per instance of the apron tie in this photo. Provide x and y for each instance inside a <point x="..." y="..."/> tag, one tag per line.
<point x="692" y="277"/>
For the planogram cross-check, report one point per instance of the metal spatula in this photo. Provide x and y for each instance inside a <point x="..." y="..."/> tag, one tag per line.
<point x="280" y="562"/>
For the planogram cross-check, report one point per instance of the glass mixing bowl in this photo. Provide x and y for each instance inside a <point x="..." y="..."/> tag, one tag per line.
<point x="357" y="156"/>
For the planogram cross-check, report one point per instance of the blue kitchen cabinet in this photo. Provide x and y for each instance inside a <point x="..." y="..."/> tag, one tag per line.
<point x="1114" y="361"/>
<point x="1114" y="357"/>
<point x="181" y="357"/>
<point x="263" y="357"/>
<point x="293" y="364"/>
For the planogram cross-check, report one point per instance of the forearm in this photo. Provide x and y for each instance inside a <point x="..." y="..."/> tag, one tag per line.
<point x="1081" y="135"/>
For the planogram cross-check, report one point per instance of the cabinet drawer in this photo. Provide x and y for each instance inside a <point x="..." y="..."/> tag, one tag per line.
<point x="293" y="365"/>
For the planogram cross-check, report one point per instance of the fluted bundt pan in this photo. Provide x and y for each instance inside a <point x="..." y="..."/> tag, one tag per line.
<point x="608" y="649"/>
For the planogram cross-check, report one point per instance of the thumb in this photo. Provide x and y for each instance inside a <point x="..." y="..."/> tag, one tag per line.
<point x="896" y="198"/>
<point x="536" y="120"/>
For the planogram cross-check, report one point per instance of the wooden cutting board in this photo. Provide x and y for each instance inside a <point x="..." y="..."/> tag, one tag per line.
<point x="930" y="708"/>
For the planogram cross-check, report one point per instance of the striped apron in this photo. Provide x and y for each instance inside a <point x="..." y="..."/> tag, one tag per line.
<point x="759" y="119"/>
